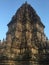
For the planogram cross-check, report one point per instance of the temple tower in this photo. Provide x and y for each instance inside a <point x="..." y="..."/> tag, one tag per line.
<point x="24" y="35"/>
<point x="25" y="38"/>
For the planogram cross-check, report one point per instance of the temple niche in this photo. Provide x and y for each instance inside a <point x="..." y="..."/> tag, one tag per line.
<point x="26" y="42"/>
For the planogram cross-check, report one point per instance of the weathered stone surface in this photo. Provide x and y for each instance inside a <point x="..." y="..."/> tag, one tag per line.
<point x="26" y="43"/>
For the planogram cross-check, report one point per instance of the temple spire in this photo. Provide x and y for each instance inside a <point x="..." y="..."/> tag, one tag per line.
<point x="25" y="2"/>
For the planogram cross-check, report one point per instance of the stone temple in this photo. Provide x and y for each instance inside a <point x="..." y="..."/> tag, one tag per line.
<point x="26" y="42"/>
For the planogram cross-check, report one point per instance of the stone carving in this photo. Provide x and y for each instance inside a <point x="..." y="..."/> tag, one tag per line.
<point x="26" y="42"/>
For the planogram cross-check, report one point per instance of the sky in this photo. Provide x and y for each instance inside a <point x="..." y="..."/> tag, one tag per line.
<point x="9" y="7"/>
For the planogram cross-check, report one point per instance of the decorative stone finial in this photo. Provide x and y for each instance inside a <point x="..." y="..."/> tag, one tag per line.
<point x="26" y="2"/>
